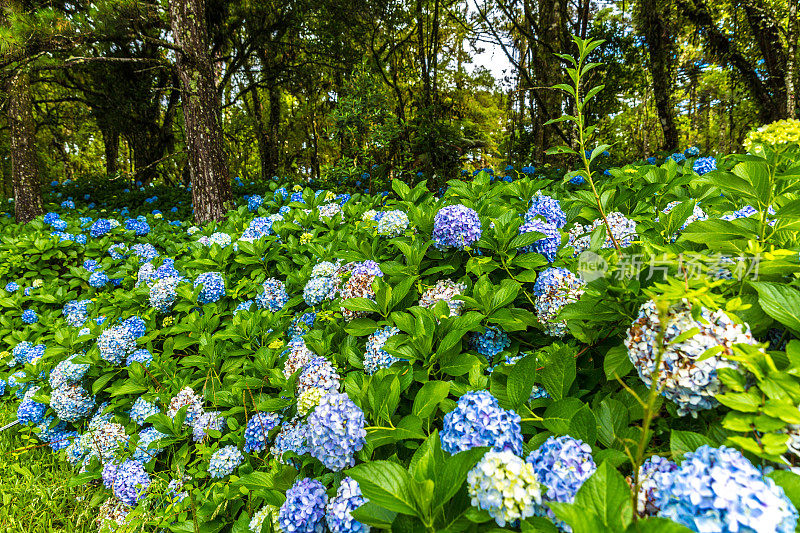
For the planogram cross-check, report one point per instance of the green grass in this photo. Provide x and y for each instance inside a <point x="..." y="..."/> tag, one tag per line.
<point x="35" y="495"/>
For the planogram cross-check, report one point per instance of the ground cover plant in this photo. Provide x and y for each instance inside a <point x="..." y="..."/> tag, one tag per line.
<point x="609" y="351"/>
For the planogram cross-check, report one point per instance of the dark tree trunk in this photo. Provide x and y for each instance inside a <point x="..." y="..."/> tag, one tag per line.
<point x="660" y="45"/>
<point x="24" y="167"/>
<point x="791" y="59"/>
<point x="111" y="146"/>
<point x="552" y="24"/>
<point x="273" y="131"/>
<point x="211" y="188"/>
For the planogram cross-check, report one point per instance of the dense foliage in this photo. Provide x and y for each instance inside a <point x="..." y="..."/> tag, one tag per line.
<point x="490" y="356"/>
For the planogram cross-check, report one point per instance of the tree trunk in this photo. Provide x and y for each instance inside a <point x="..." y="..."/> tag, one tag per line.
<point x="273" y="131"/>
<point x="791" y="60"/>
<point x="211" y="188"/>
<point x="24" y="167"/>
<point x="653" y="26"/>
<point x="111" y="146"/>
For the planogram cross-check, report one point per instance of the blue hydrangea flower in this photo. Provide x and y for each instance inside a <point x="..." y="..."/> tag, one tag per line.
<point x="336" y="431"/>
<point x="304" y="508"/>
<point x="163" y="294"/>
<point x="547" y="207"/>
<point x="457" y="226"/>
<point x="117" y="251"/>
<point x="76" y="312"/>
<point x="29" y="316"/>
<point x="213" y="287"/>
<point x="130" y="482"/>
<point x="547" y="245"/>
<point x="577" y="180"/>
<point x="145" y="252"/>
<point x="338" y="511"/>
<point x="71" y="402"/>
<point x="12" y="286"/>
<point x="29" y="411"/>
<point x="91" y="265"/>
<point x="224" y="461"/>
<point x="317" y="289"/>
<point x="142" y="355"/>
<point x="98" y="279"/>
<point x="292" y="437"/>
<point x="100" y="227"/>
<point x="678" y="157"/>
<point x="301" y="324"/>
<point x="50" y="217"/>
<point x="562" y="464"/>
<point x="142" y="409"/>
<point x="392" y="223"/>
<point x="274" y="296"/>
<point x="116" y="343"/>
<point x="478" y="420"/>
<point x="702" y="165"/>
<point x="2" y="387"/>
<point x="318" y="372"/>
<point x="210" y="420"/>
<point x="505" y="486"/>
<point x="555" y="288"/>
<point x="254" y="202"/>
<point x="246" y="305"/>
<point x="491" y="342"/>
<point x="692" y="151"/>
<point x="649" y="484"/>
<point x="718" y="489"/>
<point x="139" y="227"/>
<point x="376" y="357"/>
<point x="256" y="434"/>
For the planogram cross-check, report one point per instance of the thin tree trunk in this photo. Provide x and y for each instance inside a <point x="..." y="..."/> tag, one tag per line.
<point x="211" y="188"/>
<point x="111" y="148"/>
<point x="659" y="41"/>
<point x="791" y="60"/>
<point x="24" y="167"/>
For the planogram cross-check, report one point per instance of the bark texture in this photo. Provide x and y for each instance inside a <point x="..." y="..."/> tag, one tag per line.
<point x="24" y="166"/>
<point x="211" y="188"/>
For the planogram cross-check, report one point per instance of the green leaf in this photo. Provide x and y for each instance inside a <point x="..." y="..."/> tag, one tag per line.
<point x="681" y="442"/>
<point x="790" y="482"/>
<point x="360" y="304"/>
<point x="521" y="379"/>
<point x="617" y="363"/>
<point x="558" y="372"/>
<point x="453" y="474"/>
<point x="558" y="415"/>
<point x="608" y="495"/>
<point x="779" y="301"/>
<point x="429" y="397"/>
<point x="374" y="515"/>
<point x="656" y="524"/>
<point x="386" y="484"/>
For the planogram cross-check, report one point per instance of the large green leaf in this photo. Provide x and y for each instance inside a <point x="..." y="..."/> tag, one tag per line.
<point x="386" y="484"/>
<point x="781" y="302"/>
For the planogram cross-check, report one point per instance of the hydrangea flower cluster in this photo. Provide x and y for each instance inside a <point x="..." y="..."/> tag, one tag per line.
<point x="76" y="312"/>
<point x="129" y="480"/>
<point x="67" y="373"/>
<point x="649" y="484"/>
<point x="703" y="165"/>
<point x="30" y="411"/>
<point x="718" y="489"/>
<point x="562" y="464"/>
<point x="697" y="214"/>
<point x="145" y="451"/>
<point x="104" y="441"/>
<point x="213" y="287"/>
<point x="692" y="151"/>
<point x="145" y="252"/>
<point x="456" y="226"/>
<point x="116" y="343"/>
<point x="29" y="316"/>
<point x="304" y="508"/>
<point x="318" y="289"/>
<point x="309" y="399"/>
<point x="193" y="402"/>
<point x="292" y="437"/>
<point x="491" y="342"/>
<point x="338" y="511"/>
<point x="142" y="355"/>
<point x="392" y="223"/>
<point x="299" y="356"/>
<point x="163" y="294"/>
<point x="478" y="420"/>
<point x="505" y="486"/>
<point x="623" y="229"/>
<point x="256" y="434"/>
<point x="224" y="461"/>
<point x="547" y="245"/>
<point x="336" y="431"/>
<point x="259" y="227"/>
<point x="444" y="290"/>
<point x="548" y="208"/>
<point x="376" y="357"/>
<point x="210" y="420"/>
<point x="71" y="402"/>
<point x="268" y="514"/>
<point x="688" y="380"/>
<point x="320" y="373"/>
<point x="254" y="202"/>
<point x="274" y="297"/>
<point x="221" y="239"/>
<point x="25" y="352"/>
<point x="555" y="288"/>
